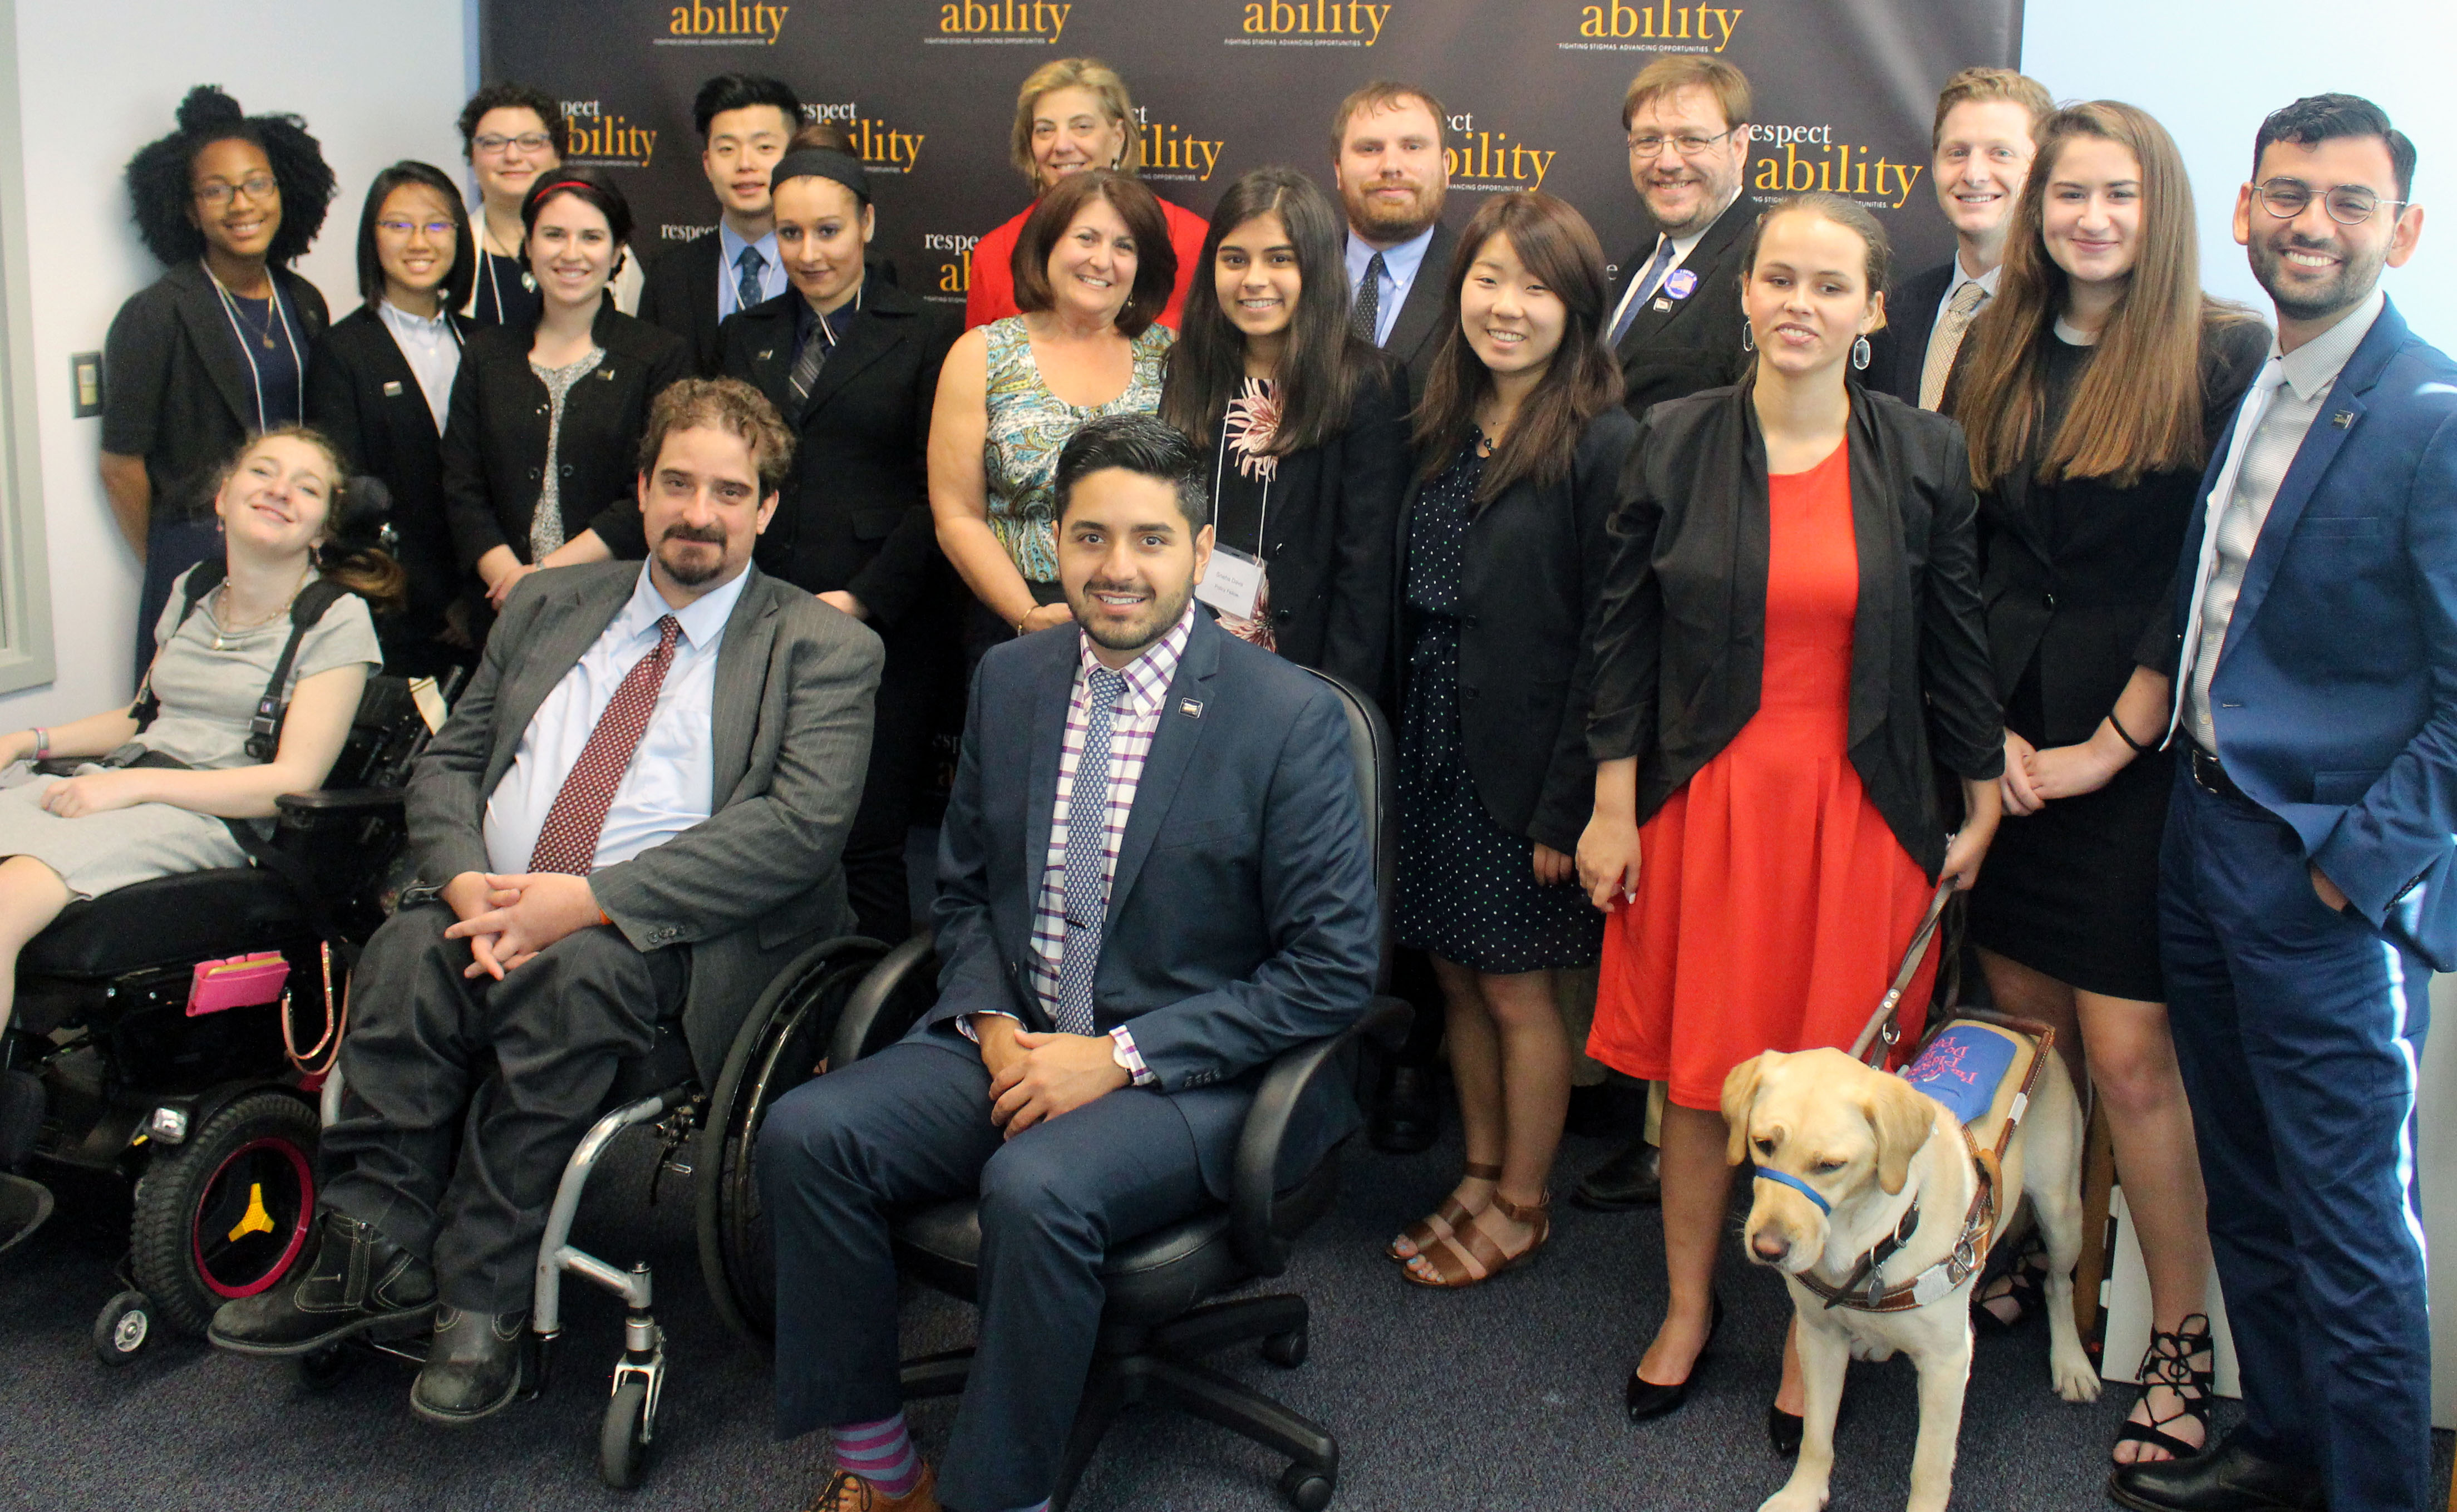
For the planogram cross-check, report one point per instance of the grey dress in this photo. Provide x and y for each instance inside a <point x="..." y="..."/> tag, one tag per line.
<point x="208" y="697"/>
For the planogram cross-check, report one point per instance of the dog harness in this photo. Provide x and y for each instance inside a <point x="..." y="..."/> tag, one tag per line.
<point x="1968" y="1064"/>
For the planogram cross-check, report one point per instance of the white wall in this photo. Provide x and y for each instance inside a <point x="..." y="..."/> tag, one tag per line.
<point x="96" y="83"/>
<point x="2210" y="72"/>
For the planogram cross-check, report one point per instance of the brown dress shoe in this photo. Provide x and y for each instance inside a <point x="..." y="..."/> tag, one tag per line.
<point x="848" y="1492"/>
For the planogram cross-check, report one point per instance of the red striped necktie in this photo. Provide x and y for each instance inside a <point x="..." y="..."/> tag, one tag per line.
<point x="567" y="843"/>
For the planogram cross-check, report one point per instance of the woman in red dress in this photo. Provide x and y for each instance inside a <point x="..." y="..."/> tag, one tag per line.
<point x="1072" y="114"/>
<point x="1790" y="645"/>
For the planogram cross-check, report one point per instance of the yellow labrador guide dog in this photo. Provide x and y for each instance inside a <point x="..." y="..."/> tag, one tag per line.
<point x="1878" y="1196"/>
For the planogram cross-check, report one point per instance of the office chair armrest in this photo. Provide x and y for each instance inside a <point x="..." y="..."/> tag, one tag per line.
<point x="326" y="804"/>
<point x="889" y="1002"/>
<point x="1254" y="1197"/>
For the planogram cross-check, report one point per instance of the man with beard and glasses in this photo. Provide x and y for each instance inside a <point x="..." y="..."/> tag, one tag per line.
<point x="2308" y="884"/>
<point x="1675" y="329"/>
<point x="1153" y="878"/>
<point x="634" y="815"/>
<point x="1387" y="162"/>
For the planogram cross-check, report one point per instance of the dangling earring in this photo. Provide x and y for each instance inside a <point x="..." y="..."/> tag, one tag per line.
<point x="1748" y="338"/>
<point x="1860" y="354"/>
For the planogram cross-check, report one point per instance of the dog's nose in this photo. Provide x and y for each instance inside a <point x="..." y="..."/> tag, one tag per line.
<point x="1771" y="1246"/>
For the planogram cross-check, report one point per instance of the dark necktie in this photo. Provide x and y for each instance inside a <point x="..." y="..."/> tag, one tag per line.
<point x="1646" y="281"/>
<point x="746" y="282"/>
<point x="1088" y="832"/>
<point x="1366" y="313"/>
<point x="567" y="843"/>
<point x="808" y="361"/>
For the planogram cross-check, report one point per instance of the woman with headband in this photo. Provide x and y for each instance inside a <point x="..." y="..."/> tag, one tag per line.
<point x="540" y="447"/>
<point x="217" y="350"/>
<point x="852" y="364"/>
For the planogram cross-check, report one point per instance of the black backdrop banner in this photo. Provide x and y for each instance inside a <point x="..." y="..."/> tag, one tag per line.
<point x="1845" y="90"/>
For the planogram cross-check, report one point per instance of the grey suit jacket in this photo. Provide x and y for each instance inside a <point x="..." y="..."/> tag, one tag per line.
<point x="762" y="876"/>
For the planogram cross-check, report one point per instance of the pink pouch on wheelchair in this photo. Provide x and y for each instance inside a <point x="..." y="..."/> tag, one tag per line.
<point x="242" y="982"/>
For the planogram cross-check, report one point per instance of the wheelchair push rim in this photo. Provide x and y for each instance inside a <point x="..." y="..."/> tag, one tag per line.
<point x="251" y="1217"/>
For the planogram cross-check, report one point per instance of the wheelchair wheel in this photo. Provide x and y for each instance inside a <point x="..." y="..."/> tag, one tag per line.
<point x="122" y="1326"/>
<point x="227" y="1214"/>
<point x="777" y="1049"/>
<point x="621" y="1439"/>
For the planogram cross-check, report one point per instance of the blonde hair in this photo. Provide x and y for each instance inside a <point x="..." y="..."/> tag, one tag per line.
<point x="1076" y="74"/>
<point x="1979" y="86"/>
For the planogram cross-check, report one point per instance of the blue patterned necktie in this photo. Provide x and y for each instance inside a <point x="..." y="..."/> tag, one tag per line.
<point x="1365" y="315"/>
<point x="1646" y="286"/>
<point x="745" y="283"/>
<point x="1088" y="825"/>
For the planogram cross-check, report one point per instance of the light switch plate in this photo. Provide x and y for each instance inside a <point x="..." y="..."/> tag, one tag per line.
<point x="87" y="368"/>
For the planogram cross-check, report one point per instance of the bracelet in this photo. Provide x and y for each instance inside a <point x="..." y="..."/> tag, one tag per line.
<point x="1019" y="624"/>
<point x="42" y="744"/>
<point x="2126" y="736"/>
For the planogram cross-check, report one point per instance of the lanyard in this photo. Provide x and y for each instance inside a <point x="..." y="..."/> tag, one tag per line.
<point x="247" y="350"/>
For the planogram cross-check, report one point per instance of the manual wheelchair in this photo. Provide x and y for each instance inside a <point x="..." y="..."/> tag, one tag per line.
<point x="209" y="1115"/>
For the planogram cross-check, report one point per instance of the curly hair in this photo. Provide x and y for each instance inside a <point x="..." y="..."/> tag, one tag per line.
<point x="161" y="192"/>
<point x="505" y="96"/>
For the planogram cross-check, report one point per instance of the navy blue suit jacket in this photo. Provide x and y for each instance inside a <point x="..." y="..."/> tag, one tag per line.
<point x="2335" y="695"/>
<point x="1243" y="919"/>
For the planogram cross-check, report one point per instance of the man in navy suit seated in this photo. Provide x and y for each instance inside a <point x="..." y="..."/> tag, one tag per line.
<point x="2309" y="878"/>
<point x="1153" y="878"/>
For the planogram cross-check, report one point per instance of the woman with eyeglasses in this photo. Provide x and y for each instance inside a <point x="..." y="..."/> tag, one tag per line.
<point x="216" y="349"/>
<point x="511" y="133"/>
<point x="2092" y="388"/>
<point x="379" y="386"/>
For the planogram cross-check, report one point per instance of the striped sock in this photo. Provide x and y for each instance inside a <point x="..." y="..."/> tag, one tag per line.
<point x="880" y="1452"/>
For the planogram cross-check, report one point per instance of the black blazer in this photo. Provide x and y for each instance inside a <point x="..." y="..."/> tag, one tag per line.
<point x="1898" y="353"/>
<point x="1334" y="511"/>
<point x="1415" y="336"/>
<point x="1527" y="637"/>
<point x="678" y="294"/>
<point x="1675" y="348"/>
<point x="2077" y="571"/>
<point x="362" y="393"/>
<point x="1681" y="645"/>
<point x="1243" y="918"/>
<point x="175" y="390"/>
<point x="494" y="441"/>
<point x="855" y="512"/>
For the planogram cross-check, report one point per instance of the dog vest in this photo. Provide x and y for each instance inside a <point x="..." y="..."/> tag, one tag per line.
<point x="1983" y="1066"/>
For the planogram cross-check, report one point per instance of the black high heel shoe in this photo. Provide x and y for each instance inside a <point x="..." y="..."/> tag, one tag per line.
<point x="1645" y="1399"/>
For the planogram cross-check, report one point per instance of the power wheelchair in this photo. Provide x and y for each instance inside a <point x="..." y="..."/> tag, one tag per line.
<point x="208" y="1115"/>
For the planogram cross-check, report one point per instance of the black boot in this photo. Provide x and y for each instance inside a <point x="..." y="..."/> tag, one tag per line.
<point x="1606" y="1109"/>
<point x="1628" y="1180"/>
<point x="473" y="1367"/>
<point x="2230" y="1478"/>
<point x="1406" y="1117"/>
<point x="360" y="1282"/>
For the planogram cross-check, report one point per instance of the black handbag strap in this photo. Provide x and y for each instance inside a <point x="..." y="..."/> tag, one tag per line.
<point x="273" y="705"/>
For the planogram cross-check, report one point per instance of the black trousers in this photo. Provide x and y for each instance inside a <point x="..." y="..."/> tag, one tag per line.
<point x="911" y="1124"/>
<point x="877" y="882"/>
<point x="417" y="1085"/>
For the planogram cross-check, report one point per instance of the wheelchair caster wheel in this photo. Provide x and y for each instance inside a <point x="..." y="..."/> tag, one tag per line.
<point x="122" y="1326"/>
<point x="1287" y="1350"/>
<point x="1306" y="1488"/>
<point x="623" y="1441"/>
<point x="323" y="1369"/>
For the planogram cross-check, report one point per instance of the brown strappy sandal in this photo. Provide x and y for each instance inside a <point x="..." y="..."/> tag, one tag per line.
<point x="1469" y="1256"/>
<point x="1445" y="1220"/>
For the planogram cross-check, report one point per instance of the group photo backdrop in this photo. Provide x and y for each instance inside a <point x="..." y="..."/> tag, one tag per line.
<point x="1845" y="92"/>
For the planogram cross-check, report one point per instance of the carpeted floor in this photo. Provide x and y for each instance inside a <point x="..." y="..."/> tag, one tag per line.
<point x="1504" y="1396"/>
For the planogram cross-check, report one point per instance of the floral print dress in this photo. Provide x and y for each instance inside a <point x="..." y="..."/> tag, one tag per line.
<point x="1029" y="426"/>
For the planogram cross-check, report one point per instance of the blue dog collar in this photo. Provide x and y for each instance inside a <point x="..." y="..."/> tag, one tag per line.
<point x="1786" y="1179"/>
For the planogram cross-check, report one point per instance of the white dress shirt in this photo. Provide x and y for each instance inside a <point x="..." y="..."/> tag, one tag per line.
<point x="671" y="784"/>
<point x="1401" y="262"/>
<point x="2297" y="388"/>
<point x="431" y="347"/>
<point x="729" y="270"/>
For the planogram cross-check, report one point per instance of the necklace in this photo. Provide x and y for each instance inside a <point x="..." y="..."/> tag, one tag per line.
<point x="223" y="632"/>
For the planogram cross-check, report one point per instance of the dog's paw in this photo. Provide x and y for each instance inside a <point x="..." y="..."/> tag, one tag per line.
<point x="1795" y="1498"/>
<point x="2074" y="1377"/>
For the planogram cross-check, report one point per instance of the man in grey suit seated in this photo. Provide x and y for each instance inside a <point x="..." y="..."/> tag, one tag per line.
<point x="1153" y="878"/>
<point x="634" y="815"/>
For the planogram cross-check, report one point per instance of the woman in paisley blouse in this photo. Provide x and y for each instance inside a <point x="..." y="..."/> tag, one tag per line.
<point x="1308" y="428"/>
<point x="1092" y="271"/>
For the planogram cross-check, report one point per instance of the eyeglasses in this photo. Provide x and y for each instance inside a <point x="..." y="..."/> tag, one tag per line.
<point x="493" y="145"/>
<point x="257" y="187"/>
<point x="2348" y="205"/>
<point x="438" y="230"/>
<point x="1689" y="146"/>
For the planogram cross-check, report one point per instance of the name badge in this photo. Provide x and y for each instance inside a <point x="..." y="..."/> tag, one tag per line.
<point x="1681" y="284"/>
<point x="1661" y="305"/>
<point x="1232" y="584"/>
<point x="392" y="388"/>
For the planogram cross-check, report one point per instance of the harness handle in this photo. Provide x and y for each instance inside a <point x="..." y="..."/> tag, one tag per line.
<point x="1882" y="1031"/>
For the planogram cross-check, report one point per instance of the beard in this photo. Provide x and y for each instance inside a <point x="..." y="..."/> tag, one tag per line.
<point x="2359" y="269"/>
<point x="1378" y="221"/>
<point x="1159" y="613"/>
<point x="690" y="568"/>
